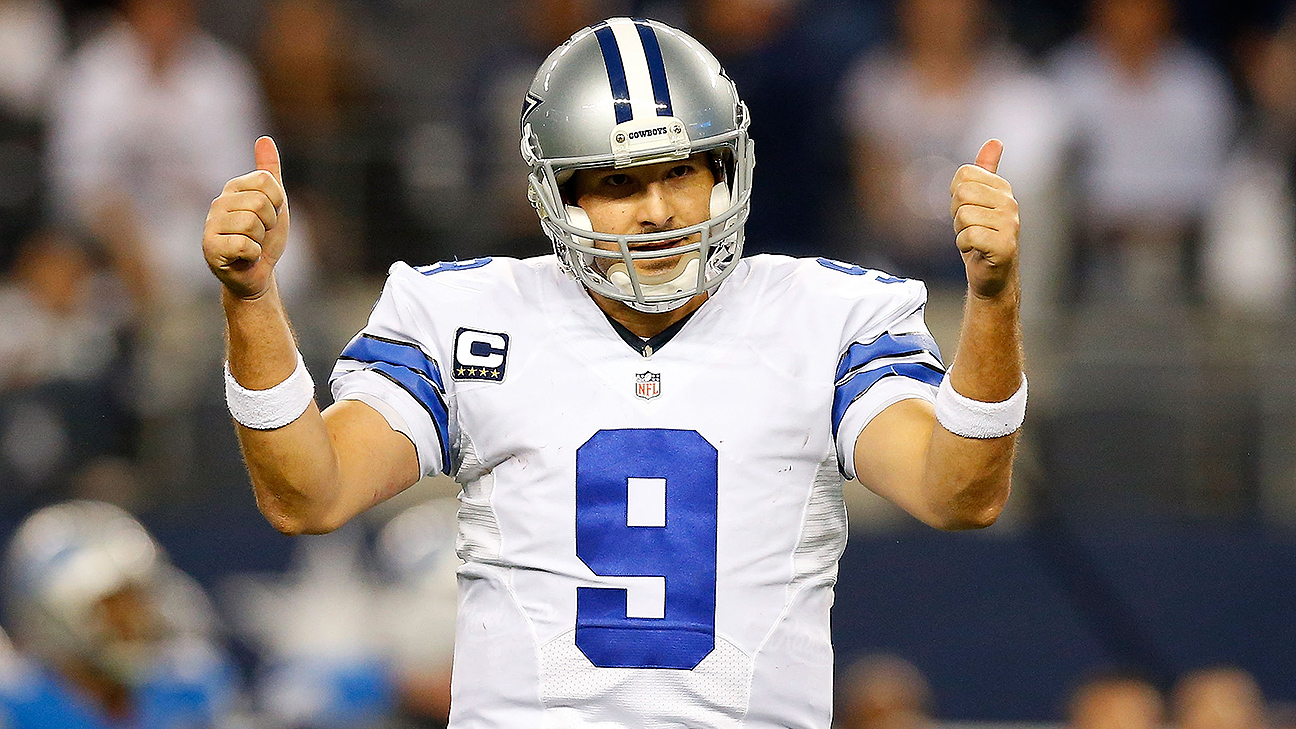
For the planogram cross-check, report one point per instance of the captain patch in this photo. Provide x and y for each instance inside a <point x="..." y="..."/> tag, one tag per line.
<point x="480" y="355"/>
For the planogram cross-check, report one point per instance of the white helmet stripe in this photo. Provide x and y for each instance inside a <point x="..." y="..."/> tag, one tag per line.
<point x="635" y="62"/>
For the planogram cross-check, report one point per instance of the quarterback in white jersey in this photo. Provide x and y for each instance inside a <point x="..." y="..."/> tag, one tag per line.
<point x="651" y="431"/>
<point x="653" y="527"/>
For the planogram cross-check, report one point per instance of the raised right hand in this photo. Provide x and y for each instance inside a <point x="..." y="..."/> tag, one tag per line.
<point x="247" y="226"/>
<point x="986" y="222"/>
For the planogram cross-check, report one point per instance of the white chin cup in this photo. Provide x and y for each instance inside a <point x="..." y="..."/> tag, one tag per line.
<point x="683" y="277"/>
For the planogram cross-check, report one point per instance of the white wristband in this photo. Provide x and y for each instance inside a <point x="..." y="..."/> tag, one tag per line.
<point x="975" y="419"/>
<point x="272" y="408"/>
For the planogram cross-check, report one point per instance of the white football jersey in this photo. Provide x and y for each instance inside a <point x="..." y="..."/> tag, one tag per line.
<point x="651" y="529"/>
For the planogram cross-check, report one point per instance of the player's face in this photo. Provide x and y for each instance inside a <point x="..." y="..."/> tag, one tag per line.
<point x="127" y="616"/>
<point x="648" y="199"/>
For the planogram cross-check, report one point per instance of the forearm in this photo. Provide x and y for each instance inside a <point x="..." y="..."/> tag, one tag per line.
<point x="949" y="480"/>
<point x="294" y="469"/>
<point x="319" y="470"/>
<point x="988" y="362"/>
<point x="969" y="478"/>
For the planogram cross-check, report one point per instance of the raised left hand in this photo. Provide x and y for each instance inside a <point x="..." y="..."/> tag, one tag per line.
<point x="986" y="222"/>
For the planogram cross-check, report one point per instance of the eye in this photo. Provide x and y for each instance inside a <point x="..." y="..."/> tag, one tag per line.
<point x="680" y="171"/>
<point x="616" y="180"/>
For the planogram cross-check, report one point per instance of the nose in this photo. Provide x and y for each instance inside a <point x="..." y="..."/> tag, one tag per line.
<point x="655" y="211"/>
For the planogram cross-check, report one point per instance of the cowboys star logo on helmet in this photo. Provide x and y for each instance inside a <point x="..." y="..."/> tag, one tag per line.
<point x="629" y="92"/>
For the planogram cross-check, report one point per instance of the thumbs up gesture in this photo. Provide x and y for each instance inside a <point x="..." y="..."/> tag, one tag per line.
<point x="247" y="226"/>
<point x="985" y="219"/>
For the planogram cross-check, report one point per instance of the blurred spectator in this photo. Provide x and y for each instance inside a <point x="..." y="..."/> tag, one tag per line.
<point x="60" y="364"/>
<point x="331" y="127"/>
<point x="309" y="67"/>
<point x="751" y="39"/>
<point x="1149" y="114"/>
<point x="787" y="58"/>
<point x="62" y="317"/>
<point x="417" y="550"/>
<point x="918" y="109"/>
<point x="31" y="46"/>
<point x="122" y="638"/>
<point x="32" y="40"/>
<point x="111" y="479"/>
<point x="1225" y="697"/>
<point x="1115" y="700"/>
<point x="1249" y="256"/>
<point x="463" y="172"/>
<point x="150" y="119"/>
<point x="883" y="692"/>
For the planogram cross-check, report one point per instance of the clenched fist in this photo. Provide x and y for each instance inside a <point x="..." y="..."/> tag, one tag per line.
<point x="985" y="219"/>
<point x="247" y="226"/>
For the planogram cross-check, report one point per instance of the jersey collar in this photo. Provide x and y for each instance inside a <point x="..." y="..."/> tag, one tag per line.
<point x="646" y="347"/>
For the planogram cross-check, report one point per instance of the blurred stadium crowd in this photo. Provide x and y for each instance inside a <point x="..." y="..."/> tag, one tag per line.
<point x="1151" y="143"/>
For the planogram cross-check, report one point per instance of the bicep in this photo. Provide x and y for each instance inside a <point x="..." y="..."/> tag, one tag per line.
<point x="375" y="462"/>
<point x="891" y="454"/>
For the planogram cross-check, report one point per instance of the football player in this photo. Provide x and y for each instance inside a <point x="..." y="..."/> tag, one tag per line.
<point x="120" y="637"/>
<point x="651" y="431"/>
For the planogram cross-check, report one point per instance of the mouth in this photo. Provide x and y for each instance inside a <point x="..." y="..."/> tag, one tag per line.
<point x="660" y="245"/>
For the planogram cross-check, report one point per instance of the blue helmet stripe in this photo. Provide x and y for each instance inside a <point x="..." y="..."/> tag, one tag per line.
<point x="656" y="67"/>
<point x="616" y="72"/>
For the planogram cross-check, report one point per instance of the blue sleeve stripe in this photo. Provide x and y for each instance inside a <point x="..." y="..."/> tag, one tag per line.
<point x="427" y="396"/>
<point x="656" y="67"/>
<point x="886" y="345"/>
<point x="369" y="348"/>
<point x="851" y="390"/>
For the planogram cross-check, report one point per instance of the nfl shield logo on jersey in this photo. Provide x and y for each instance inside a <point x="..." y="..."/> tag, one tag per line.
<point x="647" y="385"/>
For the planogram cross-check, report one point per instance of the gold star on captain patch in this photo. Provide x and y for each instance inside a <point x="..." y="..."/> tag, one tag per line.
<point x="462" y="371"/>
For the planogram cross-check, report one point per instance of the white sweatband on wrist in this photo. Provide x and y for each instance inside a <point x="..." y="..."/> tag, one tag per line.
<point x="975" y="419"/>
<point x="272" y="408"/>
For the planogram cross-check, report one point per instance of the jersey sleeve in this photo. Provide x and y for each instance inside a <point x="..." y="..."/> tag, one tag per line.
<point x="887" y="355"/>
<point x="395" y="369"/>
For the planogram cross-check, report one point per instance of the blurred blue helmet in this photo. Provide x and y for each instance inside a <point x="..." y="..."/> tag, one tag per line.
<point x="67" y="562"/>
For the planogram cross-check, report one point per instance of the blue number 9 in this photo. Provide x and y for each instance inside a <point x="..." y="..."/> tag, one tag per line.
<point x="646" y="507"/>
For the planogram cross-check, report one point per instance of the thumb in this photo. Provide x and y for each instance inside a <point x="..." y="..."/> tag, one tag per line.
<point x="986" y="159"/>
<point x="267" y="157"/>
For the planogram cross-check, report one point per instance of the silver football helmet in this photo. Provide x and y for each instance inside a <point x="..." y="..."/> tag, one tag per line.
<point x="65" y="560"/>
<point x="629" y="92"/>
